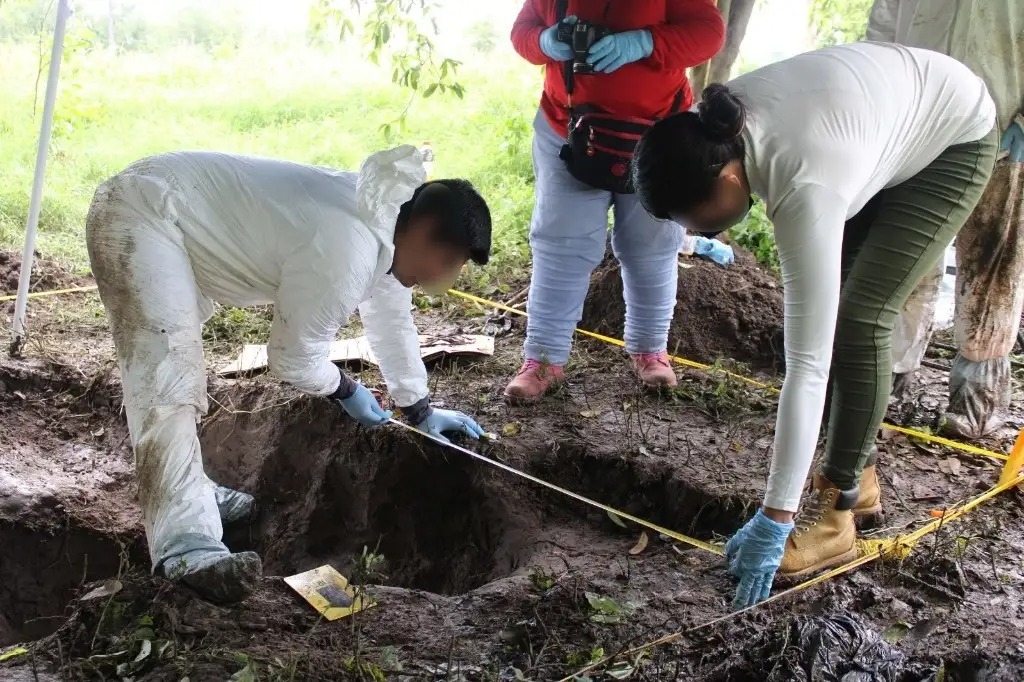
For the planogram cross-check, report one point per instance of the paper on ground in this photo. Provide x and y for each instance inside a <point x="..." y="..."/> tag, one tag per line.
<point x="329" y="593"/>
<point x="254" y="357"/>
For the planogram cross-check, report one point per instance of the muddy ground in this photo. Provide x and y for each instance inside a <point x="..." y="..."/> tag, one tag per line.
<point x="483" y="576"/>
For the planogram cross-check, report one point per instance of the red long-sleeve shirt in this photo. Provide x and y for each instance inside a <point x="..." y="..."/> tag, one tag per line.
<point x="686" y="33"/>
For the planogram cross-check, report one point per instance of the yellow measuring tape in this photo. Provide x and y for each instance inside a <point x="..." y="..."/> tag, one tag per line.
<point x="55" y="292"/>
<point x="939" y="440"/>
<point x="693" y="542"/>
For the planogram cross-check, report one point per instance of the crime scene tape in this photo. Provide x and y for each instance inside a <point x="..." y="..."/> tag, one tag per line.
<point x="938" y="440"/>
<point x="55" y="292"/>
<point x="909" y="539"/>
<point x="693" y="542"/>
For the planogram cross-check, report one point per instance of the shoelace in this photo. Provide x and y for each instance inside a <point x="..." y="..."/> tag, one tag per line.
<point x="812" y="512"/>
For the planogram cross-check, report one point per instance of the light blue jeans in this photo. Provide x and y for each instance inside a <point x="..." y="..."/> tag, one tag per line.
<point x="568" y="235"/>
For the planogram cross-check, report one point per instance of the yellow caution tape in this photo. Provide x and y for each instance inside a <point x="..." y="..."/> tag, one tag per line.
<point x="693" y="542"/>
<point x="55" y="292"/>
<point x="938" y="440"/>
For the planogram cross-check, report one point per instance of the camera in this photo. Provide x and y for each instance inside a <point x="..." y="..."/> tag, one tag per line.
<point x="580" y="36"/>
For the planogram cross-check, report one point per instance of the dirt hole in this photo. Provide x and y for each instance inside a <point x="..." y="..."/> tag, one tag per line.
<point x="40" y="572"/>
<point x="439" y="522"/>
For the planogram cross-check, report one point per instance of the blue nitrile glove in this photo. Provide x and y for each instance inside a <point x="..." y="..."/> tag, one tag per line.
<point x="754" y="555"/>
<point x="714" y="250"/>
<point x="619" y="49"/>
<point x="362" y="406"/>
<point x="552" y="46"/>
<point x="1013" y="142"/>
<point x="440" y="421"/>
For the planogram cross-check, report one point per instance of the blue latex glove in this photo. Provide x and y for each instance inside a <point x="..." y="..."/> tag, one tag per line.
<point x="714" y="250"/>
<point x="619" y="49"/>
<point x="441" y="421"/>
<point x="1013" y="142"/>
<point x="550" y="45"/>
<point x="754" y="555"/>
<point x="364" y="408"/>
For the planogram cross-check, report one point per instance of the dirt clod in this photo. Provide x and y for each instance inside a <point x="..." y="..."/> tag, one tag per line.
<point x="721" y="313"/>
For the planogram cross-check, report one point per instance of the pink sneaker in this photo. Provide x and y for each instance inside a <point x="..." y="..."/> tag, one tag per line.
<point x="654" y="369"/>
<point x="533" y="381"/>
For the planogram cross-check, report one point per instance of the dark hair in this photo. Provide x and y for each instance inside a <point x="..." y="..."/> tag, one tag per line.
<point x="462" y="218"/>
<point x="679" y="158"/>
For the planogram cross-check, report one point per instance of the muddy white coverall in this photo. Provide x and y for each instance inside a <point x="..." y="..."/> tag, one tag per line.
<point x="987" y="36"/>
<point x="174" y="233"/>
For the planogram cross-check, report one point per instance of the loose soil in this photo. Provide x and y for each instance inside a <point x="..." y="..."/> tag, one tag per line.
<point x="721" y="313"/>
<point x="47" y="274"/>
<point x="485" y="576"/>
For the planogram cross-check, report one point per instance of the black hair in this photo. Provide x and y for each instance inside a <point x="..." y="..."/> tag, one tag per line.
<point x="679" y="158"/>
<point x="462" y="218"/>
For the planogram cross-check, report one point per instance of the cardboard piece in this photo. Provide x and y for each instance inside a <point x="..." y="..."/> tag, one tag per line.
<point x="329" y="593"/>
<point x="254" y="357"/>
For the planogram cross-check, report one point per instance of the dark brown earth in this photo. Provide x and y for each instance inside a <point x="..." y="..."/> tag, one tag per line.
<point x="721" y="313"/>
<point x="485" y="576"/>
<point x="47" y="274"/>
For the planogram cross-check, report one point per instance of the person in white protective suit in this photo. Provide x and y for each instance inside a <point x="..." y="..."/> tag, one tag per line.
<point x="987" y="36"/>
<point x="173" y="233"/>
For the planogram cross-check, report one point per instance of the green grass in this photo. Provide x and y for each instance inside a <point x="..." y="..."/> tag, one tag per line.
<point x="320" y="107"/>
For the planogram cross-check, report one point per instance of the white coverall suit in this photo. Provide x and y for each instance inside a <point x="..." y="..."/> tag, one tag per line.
<point x="173" y="233"/>
<point x="987" y="36"/>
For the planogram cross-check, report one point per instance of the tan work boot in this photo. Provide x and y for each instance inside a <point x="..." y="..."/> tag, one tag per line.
<point x="869" y="502"/>
<point x="824" y="534"/>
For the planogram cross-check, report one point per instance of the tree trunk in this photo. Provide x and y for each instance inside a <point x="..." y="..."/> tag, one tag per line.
<point x="111" y="39"/>
<point x="737" y="16"/>
<point x="736" y="28"/>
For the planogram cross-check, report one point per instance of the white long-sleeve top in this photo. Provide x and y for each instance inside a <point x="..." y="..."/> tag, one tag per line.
<point x="826" y="131"/>
<point x="986" y="35"/>
<point x="316" y="243"/>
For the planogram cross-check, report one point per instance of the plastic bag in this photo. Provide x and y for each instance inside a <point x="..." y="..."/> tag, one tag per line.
<point x="979" y="396"/>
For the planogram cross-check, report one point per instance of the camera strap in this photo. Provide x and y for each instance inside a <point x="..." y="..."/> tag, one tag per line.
<point x="561" y="10"/>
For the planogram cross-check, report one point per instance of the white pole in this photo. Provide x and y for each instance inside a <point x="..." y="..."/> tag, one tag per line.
<point x="21" y="304"/>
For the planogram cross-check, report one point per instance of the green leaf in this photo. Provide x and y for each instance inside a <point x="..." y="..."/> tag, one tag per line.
<point x="430" y="90"/>
<point x="895" y="632"/>
<point x="13" y="653"/>
<point x="620" y="671"/>
<point x="616" y="520"/>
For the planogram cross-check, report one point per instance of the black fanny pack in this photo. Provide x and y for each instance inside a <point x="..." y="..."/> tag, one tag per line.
<point x="598" y="149"/>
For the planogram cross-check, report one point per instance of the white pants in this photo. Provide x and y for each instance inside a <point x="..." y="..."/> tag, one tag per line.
<point x="156" y="313"/>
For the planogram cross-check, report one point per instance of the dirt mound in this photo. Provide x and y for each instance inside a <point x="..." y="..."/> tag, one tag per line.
<point x="733" y="312"/>
<point x="47" y="274"/>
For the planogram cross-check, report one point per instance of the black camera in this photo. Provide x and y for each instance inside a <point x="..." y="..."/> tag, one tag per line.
<point x="580" y="36"/>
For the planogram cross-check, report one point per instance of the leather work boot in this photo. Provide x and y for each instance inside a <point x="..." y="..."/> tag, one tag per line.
<point x="869" y="502"/>
<point x="533" y="381"/>
<point x="654" y="369"/>
<point x="824" y="531"/>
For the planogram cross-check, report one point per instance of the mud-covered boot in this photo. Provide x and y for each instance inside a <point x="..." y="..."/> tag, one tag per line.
<point x="533" y="381"/>
<point x="824" y="534"/>
<point x="209" y="568"/>
<point x="233" y="505"/>
<point x="654" y="369"/>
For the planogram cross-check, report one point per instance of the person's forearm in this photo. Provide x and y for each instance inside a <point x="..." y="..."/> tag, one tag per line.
<point x="418" y="411"/>
<point x="346" y="387"/>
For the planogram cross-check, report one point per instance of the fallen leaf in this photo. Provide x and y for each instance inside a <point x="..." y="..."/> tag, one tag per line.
<point x="107" y="589"/>
<point x="511" y="429"/>
<point x="644" y="451"/>
<point x="616" y="520"/>
<point x="895" y="632"/>
<point x="20" y="395"/>
<point x="589" y="414"/>
<point x="950" y="466"/>
<point x="620" y="671"/>
<point x="923" y="494"/>
<point x="923" y="629"/>
<point x="13" y="653"/>
<point x="99" y="433"/>
<point x="640" y="545"/>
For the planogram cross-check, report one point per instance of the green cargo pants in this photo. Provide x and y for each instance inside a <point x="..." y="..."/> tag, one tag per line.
<point x="897" y="238"/>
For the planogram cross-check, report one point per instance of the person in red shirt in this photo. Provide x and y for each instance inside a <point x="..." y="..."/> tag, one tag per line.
<point x="639" y="71"/>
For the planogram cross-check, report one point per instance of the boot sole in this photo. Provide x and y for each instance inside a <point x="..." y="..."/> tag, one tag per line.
<point x="788" y="578"/>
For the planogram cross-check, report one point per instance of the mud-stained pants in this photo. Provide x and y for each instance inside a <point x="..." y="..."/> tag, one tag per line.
<point x="156" y="313"/>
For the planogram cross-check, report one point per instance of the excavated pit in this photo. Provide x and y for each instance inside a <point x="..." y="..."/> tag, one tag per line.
<point x="329" y="491"/>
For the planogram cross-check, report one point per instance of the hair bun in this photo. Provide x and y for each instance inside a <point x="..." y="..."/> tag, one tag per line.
<point x="721" y="112"/>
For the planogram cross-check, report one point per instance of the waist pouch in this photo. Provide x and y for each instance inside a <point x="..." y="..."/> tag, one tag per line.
<point x="598" y="150"/>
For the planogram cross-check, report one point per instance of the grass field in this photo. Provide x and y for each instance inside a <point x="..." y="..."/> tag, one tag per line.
<point x="319" y="107"/>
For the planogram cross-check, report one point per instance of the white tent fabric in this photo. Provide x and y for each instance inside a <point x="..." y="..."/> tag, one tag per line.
<point x="21" y="303"/>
